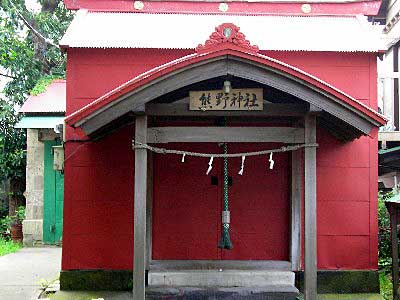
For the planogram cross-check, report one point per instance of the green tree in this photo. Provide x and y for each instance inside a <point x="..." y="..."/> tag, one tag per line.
<point x="28" y="53"/>
<point x="384" y="241"/>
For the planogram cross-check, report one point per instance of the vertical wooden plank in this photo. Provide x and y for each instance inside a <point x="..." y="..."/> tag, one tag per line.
<point x="373" y="199"/>
<point x="149" y="207"/>
<point x="296" y="187"/>
<point x="310" y="210"/>
<point x="139" y="230"/>
<point x="59" y="181"/>
<point x="49" y="195"/>
<point x="395" y="252"/>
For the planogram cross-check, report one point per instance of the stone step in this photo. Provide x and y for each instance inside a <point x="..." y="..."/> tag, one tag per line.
<point x="221" y="278"/>
<point x="213" y="293"/>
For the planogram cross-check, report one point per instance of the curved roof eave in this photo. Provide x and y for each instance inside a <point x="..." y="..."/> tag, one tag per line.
<point x="157" y="74"/>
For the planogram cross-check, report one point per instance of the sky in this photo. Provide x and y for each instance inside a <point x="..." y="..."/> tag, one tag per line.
<point x="32" y="5"/>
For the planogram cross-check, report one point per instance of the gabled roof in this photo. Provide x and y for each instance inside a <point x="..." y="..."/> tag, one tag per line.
<point x="221" y="56"/>
<point x="185" y="31"/>
<point x="51" y="101"/>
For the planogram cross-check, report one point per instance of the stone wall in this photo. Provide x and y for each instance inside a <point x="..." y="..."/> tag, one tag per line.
<point x="33" y="223"/>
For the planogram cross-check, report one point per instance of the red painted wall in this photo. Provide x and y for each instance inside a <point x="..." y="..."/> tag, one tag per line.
<point x="98" y="201"/>
<point x="187" y="208"/>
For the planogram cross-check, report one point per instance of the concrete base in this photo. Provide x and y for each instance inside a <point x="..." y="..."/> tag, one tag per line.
<point x="237" y="293"/>
<point x="33" y="232"/>
<point x="153" y="294"/>
<point x="225" y="278"/>
<point x="349" y="297"/>
<point x="344" y="282"/>
<point x="187" y="293"/>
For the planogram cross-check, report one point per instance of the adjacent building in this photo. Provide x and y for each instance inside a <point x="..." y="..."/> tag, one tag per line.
<point x="43" y="117"/>
<point x="388" y="96"/>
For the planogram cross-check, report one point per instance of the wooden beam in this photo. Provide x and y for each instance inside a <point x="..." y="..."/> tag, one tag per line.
<point x="384" y="75"/>
<point x="270" y="110"/>
<point x="314" y="109"/>
<point x="139" y="110"/>
<point x="310" y="210"/>
<point x="139" y="230"/>
<point x="389" y="136"/>
<point x="225" y="134"/>
<point x="295" y="247"/>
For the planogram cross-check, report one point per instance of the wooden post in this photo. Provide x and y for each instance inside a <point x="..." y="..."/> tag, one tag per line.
<point x="310" y="210"/>
<point x="139" y="230"/>
<point x="296" y="210"/>
<point x="149" y="208"/>
<point x="395" y="251"/>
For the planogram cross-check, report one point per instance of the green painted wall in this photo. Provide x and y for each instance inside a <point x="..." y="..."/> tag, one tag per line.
<point x="53" y="197"/>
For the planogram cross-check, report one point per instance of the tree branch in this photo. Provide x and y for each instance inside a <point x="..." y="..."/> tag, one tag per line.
<point x="32" y="28"/>
<point x="9" y="76"/>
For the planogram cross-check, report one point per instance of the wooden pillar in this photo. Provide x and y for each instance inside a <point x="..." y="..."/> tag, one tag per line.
<point x="310" y="210"/>
<point x="296" y="210"/>
<point x="149" y="208"/>
<point x="395" y="251"/>
<point x="139" y="227"/>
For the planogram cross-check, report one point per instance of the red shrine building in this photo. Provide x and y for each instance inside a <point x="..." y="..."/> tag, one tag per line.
<point x="221" y="149"/>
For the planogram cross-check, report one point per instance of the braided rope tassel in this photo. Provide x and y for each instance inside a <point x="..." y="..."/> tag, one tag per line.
<point x="225" y="242"/>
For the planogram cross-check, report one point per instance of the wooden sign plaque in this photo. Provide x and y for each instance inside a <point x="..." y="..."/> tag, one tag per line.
<point x="237" y="99"/>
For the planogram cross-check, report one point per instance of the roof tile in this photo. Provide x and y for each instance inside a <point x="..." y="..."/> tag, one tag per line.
<point x="186" y="31"/>
<point x="53" y="100"/>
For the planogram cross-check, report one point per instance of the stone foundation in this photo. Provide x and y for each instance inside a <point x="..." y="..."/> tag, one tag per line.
<point x="364" y="282"/>
<point x="33" y="232"/>
<point x="344" y="281"/>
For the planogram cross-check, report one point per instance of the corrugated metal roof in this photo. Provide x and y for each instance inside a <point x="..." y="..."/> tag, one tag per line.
<point x="40" y="122"/>
<point x="390" y="150"/>
<point x="51" y="101"/>
<point x="185" y="31"/>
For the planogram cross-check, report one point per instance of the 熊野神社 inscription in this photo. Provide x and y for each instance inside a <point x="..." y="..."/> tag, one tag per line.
<point x="237" y="99"/>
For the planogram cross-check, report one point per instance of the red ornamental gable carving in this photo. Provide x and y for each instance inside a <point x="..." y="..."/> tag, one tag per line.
<point x="227" y="33"/>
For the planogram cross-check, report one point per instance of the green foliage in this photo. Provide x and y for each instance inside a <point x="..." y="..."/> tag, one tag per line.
<point x="5" y="227"/>
<point x="7" y="246"/>
<point x="3" y="210"/>
<point x="28" y="53"/>
<point x="384" y="233"/>
<point x="384" y="242"/>
<point x="385" y="281"/>
<point x="7" y="221"/>
<point x="12" y="143"/>
<point x="19" y="215"/>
